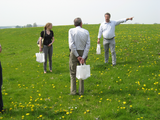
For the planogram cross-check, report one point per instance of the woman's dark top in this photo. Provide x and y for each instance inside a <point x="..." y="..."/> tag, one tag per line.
<point x="47" y="38"/>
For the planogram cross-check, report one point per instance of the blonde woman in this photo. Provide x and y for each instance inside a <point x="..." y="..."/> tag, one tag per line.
<point x="47" y="45"/>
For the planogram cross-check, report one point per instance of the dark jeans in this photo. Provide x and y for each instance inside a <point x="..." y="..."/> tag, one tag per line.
<point x="1" y="101"/>
<point x="48" y="51"/>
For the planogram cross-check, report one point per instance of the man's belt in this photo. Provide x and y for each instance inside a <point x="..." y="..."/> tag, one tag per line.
<point x="109" y="38"/>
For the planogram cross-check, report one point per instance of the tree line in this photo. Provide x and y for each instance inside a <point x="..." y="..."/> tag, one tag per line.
<point x="26" y="26"/>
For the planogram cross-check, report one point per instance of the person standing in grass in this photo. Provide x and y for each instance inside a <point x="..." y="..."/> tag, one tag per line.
<point x="48" y="36"/>
<point x="107" y="28"/>
<point x="1" y="81"/>
<point x="79" y="43"/>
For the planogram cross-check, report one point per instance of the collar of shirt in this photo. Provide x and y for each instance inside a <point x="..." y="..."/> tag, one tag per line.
<point x="107" y="22"/>
<point x="78" y="27"/>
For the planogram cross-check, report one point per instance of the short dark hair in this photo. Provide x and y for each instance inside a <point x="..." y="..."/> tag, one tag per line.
<point x="77" y="21"/>
<point x="108" y="14"/>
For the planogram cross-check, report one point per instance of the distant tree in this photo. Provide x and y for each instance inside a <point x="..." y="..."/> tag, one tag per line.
<point x="34" y="25"/>
<point x="18" y="26"/>
<point x="155" y="23"/>
<point x="28" y="25"/>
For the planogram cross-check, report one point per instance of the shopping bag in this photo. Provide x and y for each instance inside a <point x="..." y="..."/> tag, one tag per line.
<point x="83" y="72"/>
<point x="40" y="57"/>
<point x="98" y="49"/>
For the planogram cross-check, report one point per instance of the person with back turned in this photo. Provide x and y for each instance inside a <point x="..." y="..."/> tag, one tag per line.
<point x="79" y="43"/>
<point x="107" y="28"/>
<point x="1" y="81"/>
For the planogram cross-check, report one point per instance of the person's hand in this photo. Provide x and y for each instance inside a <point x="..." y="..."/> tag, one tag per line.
<point x="98" y="42"/>
<point x="79" y="58"/>
<point x="49" y="44"/>
<point x="40" y="49"/>
<point x="131" y="18"/>
<point x="82" y="61"/>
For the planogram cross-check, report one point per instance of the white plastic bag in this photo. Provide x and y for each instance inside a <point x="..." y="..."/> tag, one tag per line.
<point x="40" y="57"/>
<point x="98" y="49"/>
<point x="83" y="72"/>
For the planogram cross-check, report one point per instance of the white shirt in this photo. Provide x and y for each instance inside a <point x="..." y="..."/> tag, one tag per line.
<point x="108" y="29"/>
<point x="79" y="39"/>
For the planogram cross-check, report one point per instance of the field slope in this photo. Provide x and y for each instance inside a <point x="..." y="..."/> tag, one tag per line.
<point x="128" y="91"/>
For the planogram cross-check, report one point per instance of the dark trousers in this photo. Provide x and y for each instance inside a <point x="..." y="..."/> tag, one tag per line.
<point x="48" y="51"/>
<point x="1" y="101"/>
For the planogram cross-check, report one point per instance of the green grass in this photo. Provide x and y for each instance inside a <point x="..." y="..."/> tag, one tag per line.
<point x="128" y="91"/>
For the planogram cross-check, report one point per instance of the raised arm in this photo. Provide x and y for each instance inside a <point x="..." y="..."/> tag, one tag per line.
<point x="131" y="18"/>
<point x="123" y="20"/>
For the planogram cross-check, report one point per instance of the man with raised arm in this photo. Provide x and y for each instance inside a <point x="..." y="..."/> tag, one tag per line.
<point x="107" y="28"/>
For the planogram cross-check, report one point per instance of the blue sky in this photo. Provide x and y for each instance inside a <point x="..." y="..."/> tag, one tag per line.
<point x="62" y="12"/>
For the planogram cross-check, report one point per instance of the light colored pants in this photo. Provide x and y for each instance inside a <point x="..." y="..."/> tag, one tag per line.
<point x="73" y="61"/>
<point x="109" y="44"/>
<point x="48" y="51"/>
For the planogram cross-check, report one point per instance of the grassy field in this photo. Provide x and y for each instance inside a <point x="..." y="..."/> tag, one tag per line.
<point x="128" y="91"/>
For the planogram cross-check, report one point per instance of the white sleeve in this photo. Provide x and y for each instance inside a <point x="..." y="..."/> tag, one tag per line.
<point x="72" y="44"/>
<point x="120" y="21"/>
<point x="87" y="47"/>
<point x="100" y="31"/>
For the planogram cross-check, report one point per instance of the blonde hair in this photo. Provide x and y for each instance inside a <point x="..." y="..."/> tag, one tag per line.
<point x="47" y="25"/>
